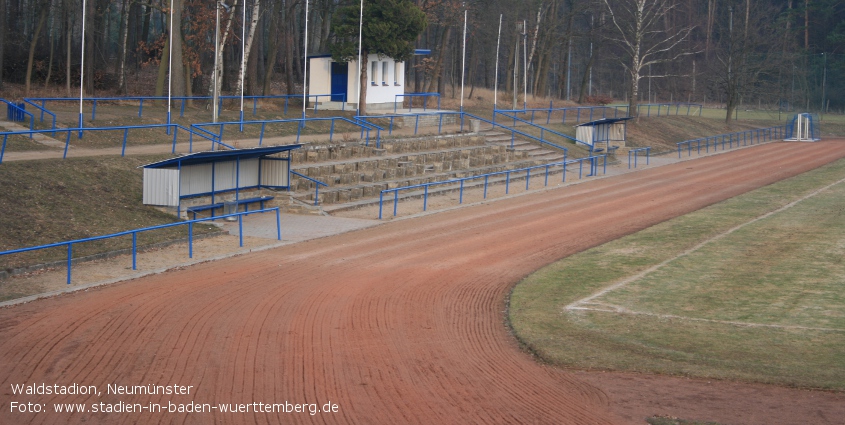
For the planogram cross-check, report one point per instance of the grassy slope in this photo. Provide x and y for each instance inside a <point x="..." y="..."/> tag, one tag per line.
<point x="53" y="200"/>
<point x="802" y="294"/>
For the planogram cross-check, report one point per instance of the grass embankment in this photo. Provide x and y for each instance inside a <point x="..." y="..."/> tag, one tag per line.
<point x="51" y="201"/>
<point x="764" y="303"/>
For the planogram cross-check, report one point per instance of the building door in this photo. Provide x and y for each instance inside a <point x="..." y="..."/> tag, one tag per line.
<point x="340" y="81"/>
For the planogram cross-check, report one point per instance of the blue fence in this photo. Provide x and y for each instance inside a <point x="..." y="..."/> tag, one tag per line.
<point x="593" y="170"/>
<point x="635" y="153"/>
<point x="364" y="127"/>
<point x="317" y="185"/>
<point x="134" y="234"/>
<point x="411" y="96"/>
<point x="368" y="119"/>
<point x="666" y="108"/>
<point x="543" y="130"/>
<point x="727" y="141"/>
<point x="18" y="112"/>
<point x="575" y="114"/>
<point x="41" y="102"/>
<point x="124" y="129"/>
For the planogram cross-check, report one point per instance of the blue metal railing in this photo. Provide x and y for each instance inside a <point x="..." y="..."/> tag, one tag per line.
<point x="365" y="127"/>
<point x="317" y="185"/>
<point x="41" y="108"/>
<point x="741" y="138"/>
<point x="543" y="130"/>
<point x="591" y="113"/>
<point x="405" y="117"/>
<point x="125" y="129"/>
<point x="636" y="152"/>
<point x="514" y="132"/>
<point x="183" y="99"/>
<point x="593" y="160"/>
<point x="669" y="106"/>
<point x="411" y="96"/>
<point x="134" y="233"/>
<point x="16" y="112"/>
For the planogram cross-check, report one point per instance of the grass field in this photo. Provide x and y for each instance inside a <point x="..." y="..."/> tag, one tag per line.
<point x="748" y="289"/>
<point x="52" y="200"/>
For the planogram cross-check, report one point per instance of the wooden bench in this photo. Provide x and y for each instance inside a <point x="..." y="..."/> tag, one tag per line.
<point x="245" y="202"/>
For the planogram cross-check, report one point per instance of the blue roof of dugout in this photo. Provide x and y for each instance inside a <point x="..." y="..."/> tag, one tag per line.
<point x="222" y="155"/>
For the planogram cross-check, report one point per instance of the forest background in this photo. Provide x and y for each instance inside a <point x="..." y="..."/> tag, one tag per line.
<point x="769" y="54"/>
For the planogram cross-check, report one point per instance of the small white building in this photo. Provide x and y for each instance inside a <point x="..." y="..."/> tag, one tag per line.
<point x="334" y="85"/>
<point x="608" y="132"/>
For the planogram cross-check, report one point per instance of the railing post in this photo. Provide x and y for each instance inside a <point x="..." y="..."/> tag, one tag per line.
<point x="507" y="182"/>
<point x="395" y="201"/>
<point x="278" y="224"/>
<point x="485" y="186"/>
<point x="461" y="196"/>
<point x="425" y="198"/>
<point x="69" y="258"/>
<point x="190" y="239"/>
<point x="134" y="250"/>
<point x="380" y="203"/>
<point x="241" y="229"/>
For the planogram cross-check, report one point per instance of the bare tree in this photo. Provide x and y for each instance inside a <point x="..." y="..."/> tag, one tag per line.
<point x="641" y="34"/>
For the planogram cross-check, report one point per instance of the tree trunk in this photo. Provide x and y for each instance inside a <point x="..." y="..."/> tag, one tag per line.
<point x="273" y="48"/>
<point x="177" y="72"/>
<point x="436" y="77"/>
<point x="2" y="37"/>
<point x="69" y="37"/>
<point x="362" y="99"/>
<point x="52" y="37"/>
<point x="41" y="19"/>
<point x="219" y="61"/>
<point x="121" y="72"/>
<point x="248" y="48"/>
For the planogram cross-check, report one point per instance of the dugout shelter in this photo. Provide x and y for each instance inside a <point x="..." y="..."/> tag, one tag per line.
<point x="204" y="181"/>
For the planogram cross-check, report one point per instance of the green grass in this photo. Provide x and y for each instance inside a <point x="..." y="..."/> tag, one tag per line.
<point x="784" y="271"/>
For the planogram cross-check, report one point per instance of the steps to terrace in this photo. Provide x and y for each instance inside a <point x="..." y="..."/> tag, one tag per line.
<point x="354" y="173"/>
<point x="534" y="150"/>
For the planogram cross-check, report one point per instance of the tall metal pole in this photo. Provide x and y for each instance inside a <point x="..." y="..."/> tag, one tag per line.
<point x="569" y="71"/>
<point x="82" y="70"/>
<point x="464" y="60"/>
<point x="305" y="72"/>
<point x="524" y="64"/>
<point x="215" y="95"/>
<point x="243" y="61"/>
<point x="169" y="65"/>
<point x="360" y="45"/>
<point x="496" y="84"/>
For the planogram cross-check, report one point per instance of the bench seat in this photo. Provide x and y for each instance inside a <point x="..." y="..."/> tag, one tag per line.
<point x="245" y="202"/>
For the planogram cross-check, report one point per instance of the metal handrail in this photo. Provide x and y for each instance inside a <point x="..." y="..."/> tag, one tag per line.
<point x="543" y="129"/>
<point x="31" y="117"/>
<point x="768" y="133"/>
<point x="135" y="232"/>
<point x="515" y="131"/>
<point x="125" y="129"/>
<point x="593" y="169"/>
<point x="317" y="186"/>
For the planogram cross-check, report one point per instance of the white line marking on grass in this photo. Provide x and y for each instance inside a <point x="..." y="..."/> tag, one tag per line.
<point x="575" y="305"/>
<point x="612" y="308"/>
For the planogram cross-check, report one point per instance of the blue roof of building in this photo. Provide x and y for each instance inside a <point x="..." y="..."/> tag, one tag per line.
<point x="222" y="155"/>
<point x="603" y="121"/>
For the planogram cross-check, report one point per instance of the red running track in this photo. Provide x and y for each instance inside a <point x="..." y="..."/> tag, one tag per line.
<point x="401" y="323"/>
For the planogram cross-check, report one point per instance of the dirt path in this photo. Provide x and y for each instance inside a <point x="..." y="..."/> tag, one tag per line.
<point x="400" y="323"/>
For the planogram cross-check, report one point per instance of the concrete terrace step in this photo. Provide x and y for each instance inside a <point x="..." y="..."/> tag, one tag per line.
<point x="443" y="189"/>
<point x="405" y="166"/>
<point x="339" y="152"/>
<point x="351" y="193"/>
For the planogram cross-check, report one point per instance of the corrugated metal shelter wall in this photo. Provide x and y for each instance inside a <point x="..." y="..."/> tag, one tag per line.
<point x="161" y="187"/>
<point x="248" y="176"/>
<point x="610" y="132"/>
<point x="274" y="173"/>
<point x="196" y="179"/>
<point x="584" y="134"/>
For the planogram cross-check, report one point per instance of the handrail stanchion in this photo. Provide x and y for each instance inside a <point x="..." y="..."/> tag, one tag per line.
<point x="134" y="250"/>
<point x="395" y="202"/>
